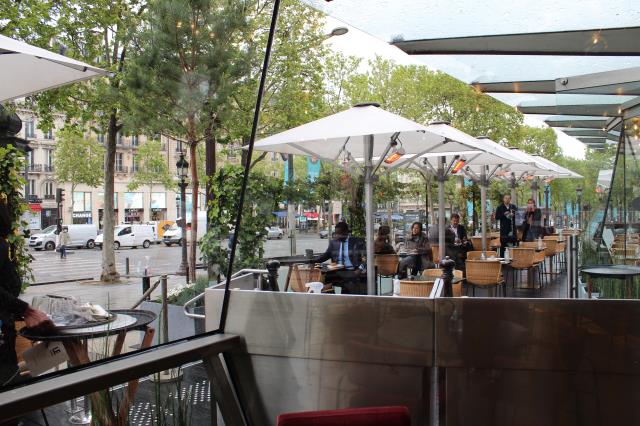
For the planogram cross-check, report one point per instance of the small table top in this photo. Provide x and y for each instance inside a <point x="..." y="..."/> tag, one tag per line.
<point x="612" y="271"/>
<point x="135" y="320"/>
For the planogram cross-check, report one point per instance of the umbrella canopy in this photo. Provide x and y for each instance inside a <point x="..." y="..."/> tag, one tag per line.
<point x="26" y="69"/>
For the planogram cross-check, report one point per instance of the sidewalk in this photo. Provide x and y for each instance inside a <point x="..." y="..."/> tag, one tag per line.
<point x="111" y="296"/>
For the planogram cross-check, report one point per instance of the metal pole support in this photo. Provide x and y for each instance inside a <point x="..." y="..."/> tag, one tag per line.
<point x="146" y="284"/>
<point x="272" y="280"/>
<point x="126" y="266"/>
<point x="573" y="281"/>
<point x="165" y="309"/>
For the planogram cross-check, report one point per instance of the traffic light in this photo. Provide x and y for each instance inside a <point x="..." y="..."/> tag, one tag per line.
<point x="59" y="195"/>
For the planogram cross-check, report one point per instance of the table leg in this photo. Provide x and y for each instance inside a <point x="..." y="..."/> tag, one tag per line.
<point x="132" y="386"/>
<point x="589" y="285"/>
<point x="286" y="284"/>
<point x="100" y="407"/>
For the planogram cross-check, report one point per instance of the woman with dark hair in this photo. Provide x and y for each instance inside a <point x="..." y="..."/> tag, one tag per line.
<point x="382" y="244"/>
<point x="418" y="250"/>
<point x="531" y="227"/>
<point x="11" y="307"/>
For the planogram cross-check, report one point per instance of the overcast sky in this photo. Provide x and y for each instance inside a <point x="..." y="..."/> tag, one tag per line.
<point x="381" y="20"/>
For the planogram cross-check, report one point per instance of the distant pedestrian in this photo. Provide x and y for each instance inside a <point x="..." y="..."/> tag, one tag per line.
<point x="64" y="241"/>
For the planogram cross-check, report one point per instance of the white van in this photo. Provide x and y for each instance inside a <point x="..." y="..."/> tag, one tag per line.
<point x="131" y="236"/>
<point x="173" y="235"/>
<point x="80" y="235"/>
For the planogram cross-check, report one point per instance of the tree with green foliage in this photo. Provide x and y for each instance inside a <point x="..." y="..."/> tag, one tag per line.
<point x="99" y="32"/>
<point x="78" y="159"/>
<point x="538" y="141"/>
<point x="151" y="169"/>
<point x="188" y="62"/>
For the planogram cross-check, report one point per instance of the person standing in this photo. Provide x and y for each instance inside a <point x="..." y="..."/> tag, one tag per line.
<point x="532" y="221"/>
<point x="64" y="241"/>
<point x="506" y="216"/>
<point x="11" y="307"/>
<point x="350" y="253"/>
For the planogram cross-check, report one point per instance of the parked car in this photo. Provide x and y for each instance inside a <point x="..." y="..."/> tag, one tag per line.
<point x="173" y="235"/>
<point x="324" y="233"/>
<point x="274" y="232"/>
<point x="81" y="236"/>
<point x="131" y="236"/>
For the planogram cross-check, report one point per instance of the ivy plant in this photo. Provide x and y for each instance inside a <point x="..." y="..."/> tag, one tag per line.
<point x="11" y="186"/>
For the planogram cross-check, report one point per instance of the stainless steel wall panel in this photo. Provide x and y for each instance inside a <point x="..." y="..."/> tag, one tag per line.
<point x="534" y="398"/>
<point x="539" y="334"/>
<point x="371" y="329"/>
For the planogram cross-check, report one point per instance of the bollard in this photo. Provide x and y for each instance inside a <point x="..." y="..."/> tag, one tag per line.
<point x="187" y="275"/>
<point x="165" y="309"/>
<point x="272" y="280"/>
<point x="447" y="266"/>
<point x="126" y="266"/>
<point x="146" y="284"/>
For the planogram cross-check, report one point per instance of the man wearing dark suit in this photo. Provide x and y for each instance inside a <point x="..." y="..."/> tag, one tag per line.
<point x="459" y="246"/>
<point x="350" y="252"/>
<point x="506" y="214"/>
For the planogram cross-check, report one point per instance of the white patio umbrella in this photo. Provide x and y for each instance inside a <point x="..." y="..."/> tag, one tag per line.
<point x="26" y="69"/>
<point x="479" y="164"/>
<point x="367" y="132"/>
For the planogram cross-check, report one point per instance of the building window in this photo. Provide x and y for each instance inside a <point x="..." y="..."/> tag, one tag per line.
<point x="49" y="160"/>
<point x="101" y="138"/>
<point x="29" y="129"/>
<point x="119" y="162"/>
<point x="134" y="140"/>
<point x="48" y="190"/>
<point x="119" y="139"/>
<point x="32" y="187"/>
<point x="134" y="166"/>
<point x="30" y="158"/>
<point x="48" y="134"/>
<point x="231" y="153"/>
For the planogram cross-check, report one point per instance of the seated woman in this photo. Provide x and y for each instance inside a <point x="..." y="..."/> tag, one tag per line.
<point x="382" y="244"/>
<point x="419" y="252"/>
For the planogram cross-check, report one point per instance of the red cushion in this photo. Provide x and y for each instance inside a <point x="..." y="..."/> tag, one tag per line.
<point x="371" y="416"/>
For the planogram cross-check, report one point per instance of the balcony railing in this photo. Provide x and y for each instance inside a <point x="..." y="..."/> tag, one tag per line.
<point x="48" y="168"/>
<point x="49" y="196"/>
<point x="35" y="167"/>
<point x="121" y="169"/>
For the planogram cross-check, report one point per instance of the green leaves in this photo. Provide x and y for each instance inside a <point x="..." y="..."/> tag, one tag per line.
<point x="78" y="158"/>
<point x="152" y="167"/>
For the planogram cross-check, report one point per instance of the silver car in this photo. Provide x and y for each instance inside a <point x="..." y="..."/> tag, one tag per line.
<point x="274" y="232"/>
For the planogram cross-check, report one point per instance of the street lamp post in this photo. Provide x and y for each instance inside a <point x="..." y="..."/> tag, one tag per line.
<point x="182" y="167"/>
<point x="579" y="206"/>
<point x="547" y="215"/>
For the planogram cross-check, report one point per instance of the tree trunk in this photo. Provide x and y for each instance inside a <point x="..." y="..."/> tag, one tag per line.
<point x="193" y="159"/>
<point x="109" y="272"/>
<point x="210" y="170"/>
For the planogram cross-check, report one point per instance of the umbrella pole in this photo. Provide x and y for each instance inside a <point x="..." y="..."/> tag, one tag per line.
<point x="441" y="221"/>
<point x="534" y="191"/>
<point x="514" y="193"/>
<point x="483" y="208"/>
<point x="368" y="197"/>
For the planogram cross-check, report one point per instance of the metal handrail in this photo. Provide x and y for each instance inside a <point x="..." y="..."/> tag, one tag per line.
<point x="201" y="295"/>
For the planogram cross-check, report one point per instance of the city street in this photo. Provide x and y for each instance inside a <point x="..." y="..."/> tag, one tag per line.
<point x="86" y="264"/>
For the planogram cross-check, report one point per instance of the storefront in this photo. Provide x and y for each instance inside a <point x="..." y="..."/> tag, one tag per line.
<point x="158" y="206"/>
<point x="101" y="209"/>
<point x="32" y="217"/>
<point x="312" y="220"/>
<point x="81" y="208"/>
<point x="133" y="207"/>
<point x="48" y="217"/>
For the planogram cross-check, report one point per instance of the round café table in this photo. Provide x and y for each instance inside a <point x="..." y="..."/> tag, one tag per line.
<point x="623" y="273"/>
<point x="75" y="342"/>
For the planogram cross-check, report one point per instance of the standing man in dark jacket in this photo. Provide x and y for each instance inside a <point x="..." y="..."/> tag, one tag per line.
<point x="350" y="252"/>
<point x="506" y="215"/>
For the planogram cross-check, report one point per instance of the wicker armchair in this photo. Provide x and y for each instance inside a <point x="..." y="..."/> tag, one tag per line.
<point x="416" y="288"/>
<point x="486" y="274"/>
<point x="475" y="255"/>
<point x="477" y="243"/>
<point x="550" y="244"/>
<point x="437" y="273"/>
<point x="299" y="275"/>
<point x="435" y="254"/>
<point x="386" y="267"/>
<point x="522" y="259"/>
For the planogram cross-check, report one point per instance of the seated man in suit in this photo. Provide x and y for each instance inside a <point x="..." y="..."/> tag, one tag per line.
<point x="349" y="252"/>
<point x="458" y="248"/>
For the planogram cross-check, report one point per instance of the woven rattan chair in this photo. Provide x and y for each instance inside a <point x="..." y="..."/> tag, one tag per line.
<point x="475" y="255"/>
<point x="550" y="244"/>
<point x="522" y="259"/>
<point x="477" y="243"/>
<point x="538" y="259"/>
<point x="300" y="275"/>
<point x="485" y="274"/>
<point x="386" y="267"/>
<point x="416" y="288"/>
<point x="560" y="248"/>
<point x="435" y="254"/>
<point x="437" y="273"/>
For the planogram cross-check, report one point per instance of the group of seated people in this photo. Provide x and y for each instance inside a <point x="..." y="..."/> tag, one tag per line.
<point x="349" y="253"/>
